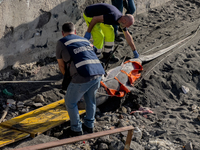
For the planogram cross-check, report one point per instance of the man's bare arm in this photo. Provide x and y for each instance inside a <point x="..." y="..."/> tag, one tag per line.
<point x="129" y="40"/>
<point x="61" y="66"/>
<point x="95" y="19"/>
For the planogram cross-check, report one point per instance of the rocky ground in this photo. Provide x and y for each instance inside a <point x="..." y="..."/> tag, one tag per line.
<point x="174" y="123"/>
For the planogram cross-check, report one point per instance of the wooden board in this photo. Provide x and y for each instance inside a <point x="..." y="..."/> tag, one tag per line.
<point x="42" y="119"/>
<point x="8" y="135"/>
<point x="83" y="138"/>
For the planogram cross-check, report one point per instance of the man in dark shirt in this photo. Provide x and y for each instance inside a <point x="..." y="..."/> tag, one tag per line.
<point x="130" y="7"/>
<point x="100" y="18"/>
<point x="85" y="70"/>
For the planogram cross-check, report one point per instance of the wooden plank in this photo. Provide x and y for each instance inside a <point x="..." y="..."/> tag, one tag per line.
<point x="128" y="139"/>
<point x="41" y="119"/>
<point x="78" y="138"/>
<point x="8" y="135"/>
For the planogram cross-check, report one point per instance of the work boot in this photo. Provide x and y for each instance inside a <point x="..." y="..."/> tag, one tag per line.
<point x="74" y="133"/>
<point x="113" y="58"/>
<point x="118" y="39"/>
<point x="86" y="129"/>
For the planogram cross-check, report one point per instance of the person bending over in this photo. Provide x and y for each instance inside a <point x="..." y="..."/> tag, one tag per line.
<point x="129" y="5"/>
<point x="99" y="18"/>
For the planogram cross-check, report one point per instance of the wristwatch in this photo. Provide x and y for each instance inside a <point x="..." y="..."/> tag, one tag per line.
<point x="125" y="29"/>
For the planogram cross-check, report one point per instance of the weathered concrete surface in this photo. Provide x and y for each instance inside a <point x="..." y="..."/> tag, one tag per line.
<point x="29" y="29"/>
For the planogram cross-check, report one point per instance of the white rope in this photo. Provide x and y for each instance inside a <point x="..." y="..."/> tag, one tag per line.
<point x="168" y="55"/>
<point x="152" y="49"/>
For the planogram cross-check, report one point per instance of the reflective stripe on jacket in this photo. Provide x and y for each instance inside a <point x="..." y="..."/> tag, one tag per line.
<point x="83" y="55"/>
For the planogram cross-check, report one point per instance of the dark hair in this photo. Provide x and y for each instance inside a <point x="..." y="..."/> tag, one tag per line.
<point x="68" y="27"/>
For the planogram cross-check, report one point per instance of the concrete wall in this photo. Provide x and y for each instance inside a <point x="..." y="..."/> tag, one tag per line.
<point x="29" y="29"/>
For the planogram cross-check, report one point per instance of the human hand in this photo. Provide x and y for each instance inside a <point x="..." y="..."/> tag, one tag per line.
<point x="122" y="26"/>
<point x="135" y="54"/>
<point x="87" y="35"/>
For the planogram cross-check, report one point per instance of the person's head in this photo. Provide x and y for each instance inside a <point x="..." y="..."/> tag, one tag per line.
<point x="68" y="28"/>
<point x="126" y="20"/>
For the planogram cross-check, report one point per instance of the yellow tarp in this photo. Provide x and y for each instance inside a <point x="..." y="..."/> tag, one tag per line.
<point x="8" y="135"/>
<point x="42" y="119"/>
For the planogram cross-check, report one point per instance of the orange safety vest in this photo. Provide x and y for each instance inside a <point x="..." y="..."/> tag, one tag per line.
<point x="132" y="76"/>
<point x="122" y="90"/>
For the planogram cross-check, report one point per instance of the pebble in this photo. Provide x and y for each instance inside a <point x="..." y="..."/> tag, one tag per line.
<point x="38" y="104"/>
<point x="198" y="117"/>
<point x="39" y="99"/>
<point x="103" y="146"/>
<point x="20" y="104"/>
<point x="189" y="146"/>
<point x="185" y="89"/>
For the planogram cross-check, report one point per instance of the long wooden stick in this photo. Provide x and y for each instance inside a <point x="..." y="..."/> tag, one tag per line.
<point x="82" y="138"/>
<point x="27" y="81"/>
<point x="128" y="139"/>
<point x="5" y="113"/>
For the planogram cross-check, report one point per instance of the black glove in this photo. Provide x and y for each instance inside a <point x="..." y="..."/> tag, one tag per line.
<point x="66" y="81"/>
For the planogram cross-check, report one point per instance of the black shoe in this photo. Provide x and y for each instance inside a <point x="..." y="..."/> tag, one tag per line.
<point x="118" y="39"/>
<point x="114" y="58"/>
<point x="86" y="129"/>
<point x="73" y="133"/>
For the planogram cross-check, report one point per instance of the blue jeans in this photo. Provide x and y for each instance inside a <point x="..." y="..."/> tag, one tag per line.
<point x="128" y="4"/>
<point x="74" y="93"/>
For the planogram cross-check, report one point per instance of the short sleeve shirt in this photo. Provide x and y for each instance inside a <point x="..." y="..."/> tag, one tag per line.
<point x="110" y="13"/>
<point x="62" y="53"/>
